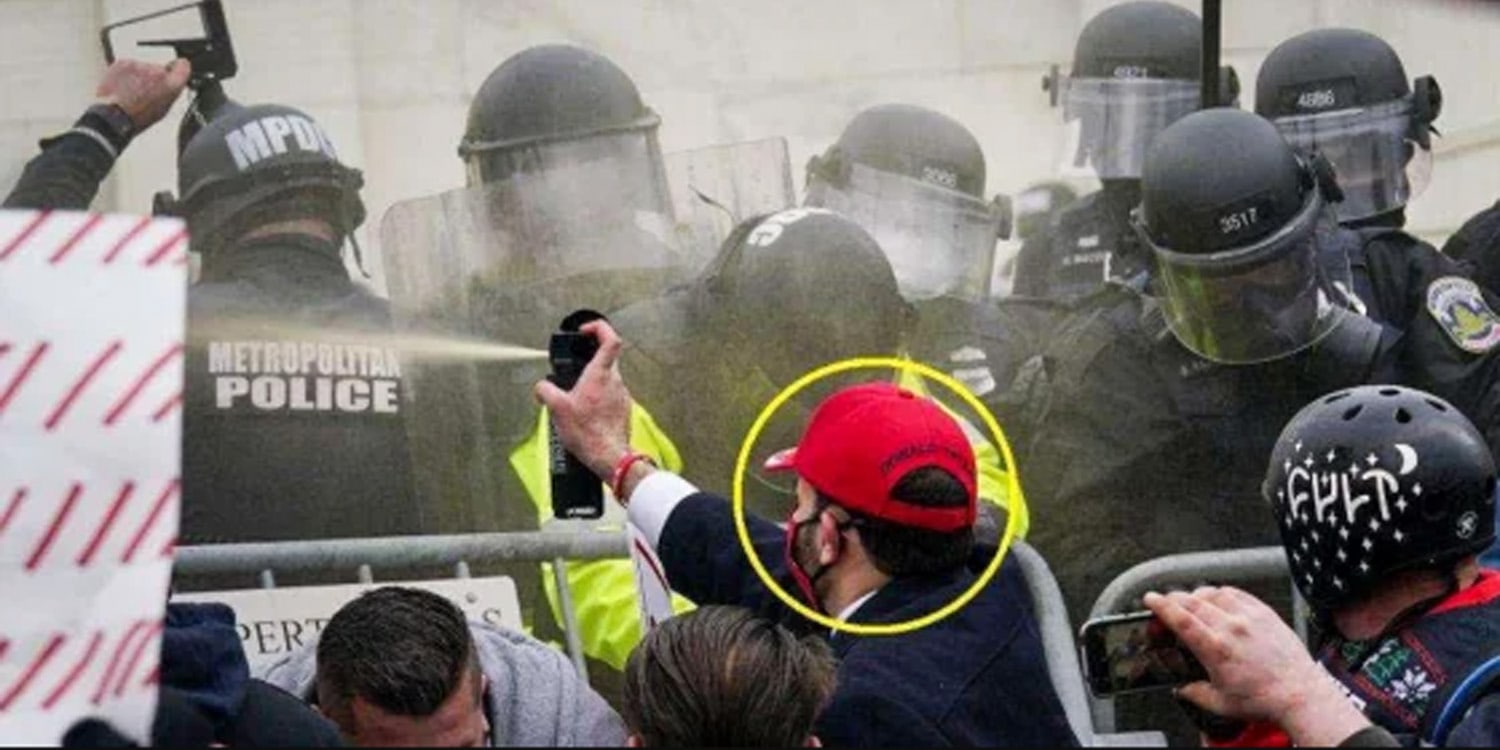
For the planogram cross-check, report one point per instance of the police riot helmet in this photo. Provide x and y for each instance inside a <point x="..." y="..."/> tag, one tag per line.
<point x="1344" y="93"/>
<point x="1238" y="223"/>
<point x="564" y="132"/>
<point x="1036" y="206"/>
<point x="1136" y="70"/>
<point x="914" y="179"/>
<point x="812" y="281"/>
<point x="207" y="106"/>
<point x="1374" y="480"/>
<point x="256" y="164"/>
<point x="552" y="103"/>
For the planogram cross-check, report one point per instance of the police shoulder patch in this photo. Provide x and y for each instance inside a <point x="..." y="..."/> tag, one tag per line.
<point x="1459" y="308"/>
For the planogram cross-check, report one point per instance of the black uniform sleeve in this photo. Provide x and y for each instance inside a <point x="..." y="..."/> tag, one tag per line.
<point x="68" y="172"/>
<point x="705" y="563"/>
<point x="1403" y="270"/>
<point x="1476" y="245"/>
<point x="1101" y="421"/>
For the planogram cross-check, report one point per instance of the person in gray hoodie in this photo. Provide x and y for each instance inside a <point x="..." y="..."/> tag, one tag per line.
<point x="401" y="666"/>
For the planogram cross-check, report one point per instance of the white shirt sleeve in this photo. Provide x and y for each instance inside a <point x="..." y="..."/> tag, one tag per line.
<point x="653" y="501"/>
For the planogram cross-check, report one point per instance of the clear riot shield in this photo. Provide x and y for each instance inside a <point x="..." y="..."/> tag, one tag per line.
<point x="716" y="187"/>
<point x="504" y="263"/>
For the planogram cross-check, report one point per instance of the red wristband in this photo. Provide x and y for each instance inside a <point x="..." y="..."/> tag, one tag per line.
<point x="622" y="469"/>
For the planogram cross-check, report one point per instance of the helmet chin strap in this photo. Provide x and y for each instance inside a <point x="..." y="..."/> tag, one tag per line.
<point x="359" y="258"/>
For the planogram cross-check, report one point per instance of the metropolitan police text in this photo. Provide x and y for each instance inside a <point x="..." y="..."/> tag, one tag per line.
<point x="303" y="376"/>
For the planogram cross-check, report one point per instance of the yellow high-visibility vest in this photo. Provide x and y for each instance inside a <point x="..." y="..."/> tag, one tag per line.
<point x="603" y="591"/>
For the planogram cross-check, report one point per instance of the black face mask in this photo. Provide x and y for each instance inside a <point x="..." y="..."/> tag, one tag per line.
<point x="805" y="579"/>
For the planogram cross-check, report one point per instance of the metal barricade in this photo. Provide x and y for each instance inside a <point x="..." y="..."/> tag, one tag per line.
<point x="361" y="557"/>
<point x="1062" y="652"/>
<point x="1224" y="567"/>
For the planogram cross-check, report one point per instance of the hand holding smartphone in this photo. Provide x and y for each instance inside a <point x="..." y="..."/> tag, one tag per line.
<point x="1134" y="653"/>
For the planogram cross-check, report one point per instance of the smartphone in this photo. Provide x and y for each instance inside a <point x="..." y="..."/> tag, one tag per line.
<point x="576" y="492"/>
<point x="1135" y="653"/>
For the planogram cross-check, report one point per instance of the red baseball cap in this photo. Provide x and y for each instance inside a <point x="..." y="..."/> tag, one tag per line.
<point x="864" y="439"/>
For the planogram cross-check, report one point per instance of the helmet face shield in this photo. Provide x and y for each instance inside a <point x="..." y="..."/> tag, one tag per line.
<point x="1379" y="166"/>
<point x="940" y="242"/>
<point x="513" y="257"/>
<point x="633" y="155"/>
<point x="1112" y="121"/>
<point x="1257" y="303"/>
<point x="563" y="201"/>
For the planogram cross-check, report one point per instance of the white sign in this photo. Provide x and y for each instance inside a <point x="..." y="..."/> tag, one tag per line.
<point x="91" y="330"/>
<point x="650" y="581"/>
<point x="275" y="622"/>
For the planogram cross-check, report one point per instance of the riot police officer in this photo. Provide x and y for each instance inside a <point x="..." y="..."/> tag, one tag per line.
<point x="1035" y="207"/>
<point x="293" y="413"/>
<point x="1344" y="94"/>
<point x="787" y="293"/>
<point x="914" y="179"/>
<point x="1163" y="401"/>
<point x="1135" y="71"/>
<point x="1174" y="393"/>
<point x="562" y="156"/>
<point x="566" y="207"/>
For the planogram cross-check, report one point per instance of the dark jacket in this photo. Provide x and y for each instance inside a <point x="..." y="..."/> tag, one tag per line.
<point x="978" y="677"/>
<point x="204" y="662"/>
<point x="67" y="174"/>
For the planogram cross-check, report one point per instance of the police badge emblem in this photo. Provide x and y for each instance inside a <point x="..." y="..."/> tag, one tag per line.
<point x="1461" y="311"/>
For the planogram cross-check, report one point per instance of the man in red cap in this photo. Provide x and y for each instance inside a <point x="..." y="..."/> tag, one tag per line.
<point x="882" y="532"/>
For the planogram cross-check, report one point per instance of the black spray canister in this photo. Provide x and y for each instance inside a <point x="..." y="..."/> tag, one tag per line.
<point x="576" y="492"/>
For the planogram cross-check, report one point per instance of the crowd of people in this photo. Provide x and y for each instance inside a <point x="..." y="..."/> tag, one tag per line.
<point x="1232" y="343"/>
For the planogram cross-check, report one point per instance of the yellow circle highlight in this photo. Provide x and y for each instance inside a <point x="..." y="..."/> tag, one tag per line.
<point x="742" y="530"/>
